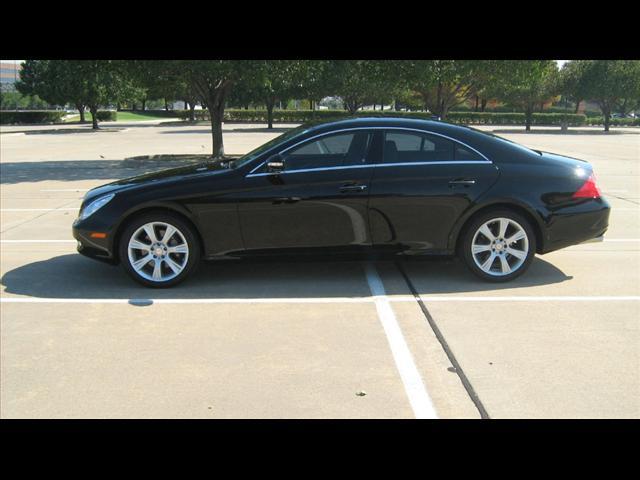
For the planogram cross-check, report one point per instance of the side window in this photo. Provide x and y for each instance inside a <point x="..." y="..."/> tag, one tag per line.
<point x="337" y="150"/>
<point x="463" y="153"/>
<point x="407" y="147"/>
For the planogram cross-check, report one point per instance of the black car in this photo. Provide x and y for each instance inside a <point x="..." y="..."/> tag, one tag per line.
<point x="367" y="185"/>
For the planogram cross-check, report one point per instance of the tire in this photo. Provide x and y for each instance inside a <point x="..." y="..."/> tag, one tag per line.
<point x="482" y="239"/>
<point x="177" y="257"/>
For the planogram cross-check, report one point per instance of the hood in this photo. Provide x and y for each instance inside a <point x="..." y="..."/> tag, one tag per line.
<point x="157" y="178"/>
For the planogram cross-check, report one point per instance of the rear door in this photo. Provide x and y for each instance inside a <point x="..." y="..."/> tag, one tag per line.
<point x="421" y="186"/>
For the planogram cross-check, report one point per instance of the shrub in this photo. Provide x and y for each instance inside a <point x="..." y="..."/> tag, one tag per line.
<point x="107" y="115"/>
<point x="32" y="116"/>
<point x="615" y="122"/>
<point x="473" y="118"/>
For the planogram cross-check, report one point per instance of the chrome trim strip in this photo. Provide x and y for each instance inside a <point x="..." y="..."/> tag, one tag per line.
<point x="381" y="164"/>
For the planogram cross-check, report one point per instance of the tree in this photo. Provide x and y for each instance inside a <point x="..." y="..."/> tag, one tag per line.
<point x="359" y="82"/>
<point x="84" y="83"/>
<point x="610" y="83"/>
<point x="212" y="81"/>
<point x="526" y="83"/>
<point x="571" y="82"/>
<point x="442" y="84"/>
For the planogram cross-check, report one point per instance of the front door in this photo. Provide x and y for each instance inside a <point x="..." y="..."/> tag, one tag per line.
<point x="318" y="201"/>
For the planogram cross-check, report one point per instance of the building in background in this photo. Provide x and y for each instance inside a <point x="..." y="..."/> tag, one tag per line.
<point x="9" y="74"/>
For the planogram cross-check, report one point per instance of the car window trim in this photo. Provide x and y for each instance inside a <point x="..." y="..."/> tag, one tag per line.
<point x="344" y="167"/>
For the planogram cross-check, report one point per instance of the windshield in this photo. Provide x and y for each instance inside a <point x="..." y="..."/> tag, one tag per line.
<point x="266" y="146"/>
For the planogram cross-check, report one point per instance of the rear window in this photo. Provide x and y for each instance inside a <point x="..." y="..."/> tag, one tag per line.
<point x="466" y="154"/>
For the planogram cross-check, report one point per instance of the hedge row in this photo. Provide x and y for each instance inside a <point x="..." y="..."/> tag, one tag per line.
<point x="48" y="116"/>
<point x="31" y="116"/>
<point x="615" y="122"/>
<point x="302" y="116"/>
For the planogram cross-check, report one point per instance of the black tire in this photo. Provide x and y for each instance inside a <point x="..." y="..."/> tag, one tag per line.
<point x="496" y="276"/>
<point x="189" y="262"/>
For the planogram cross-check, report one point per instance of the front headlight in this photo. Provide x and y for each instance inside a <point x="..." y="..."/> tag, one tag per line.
<point x="94" y="206"/>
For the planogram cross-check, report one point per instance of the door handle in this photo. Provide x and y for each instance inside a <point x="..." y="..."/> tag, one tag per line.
<point x="352" y="188"/>
<point x="462" y="181"/>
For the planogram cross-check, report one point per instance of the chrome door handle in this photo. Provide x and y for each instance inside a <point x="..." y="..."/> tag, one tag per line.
<point x="352" y="188"/>
<point x="462" y="181"/>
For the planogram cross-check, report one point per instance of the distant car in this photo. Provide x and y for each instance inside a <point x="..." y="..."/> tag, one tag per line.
<point x="383" y="185"/>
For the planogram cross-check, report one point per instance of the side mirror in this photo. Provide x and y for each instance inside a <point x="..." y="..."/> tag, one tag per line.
<point x="275" y="164"/>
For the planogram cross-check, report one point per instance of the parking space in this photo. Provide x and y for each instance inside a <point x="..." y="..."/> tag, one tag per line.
<point x="306" y="339"/>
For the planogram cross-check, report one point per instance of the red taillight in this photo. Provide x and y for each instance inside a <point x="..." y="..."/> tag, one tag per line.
<point x="589" y="189"/>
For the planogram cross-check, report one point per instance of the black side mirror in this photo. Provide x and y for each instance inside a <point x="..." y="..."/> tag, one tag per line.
<point x="275" y="163"/>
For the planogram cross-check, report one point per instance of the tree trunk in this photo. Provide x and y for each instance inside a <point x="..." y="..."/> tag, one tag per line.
<point x="94" y="116"/>
<point x="185" y="104"/>
<point x="81" y="110"/>
<point x="166" y="105"/>
<point x="606" y="114"/>
<point x="270" y="104"/>
<point x="475" y="108"/>
<point x="144" y="104"/>
<point x="483" y="105"/>
<point x="215" y="105"/>
<point x="528" y="116"/>
<point x="192" y="111"/>
<point x="577" y="106"/>
<point x="133" y="106"/>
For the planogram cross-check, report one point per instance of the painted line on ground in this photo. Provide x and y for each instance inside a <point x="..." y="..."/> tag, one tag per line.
<point x="308" y="300"/>
<point x="66" y="190"/>
<point x="414" y="387"/>
<point x="38" y="209"/>
<point x="38" y="241"/>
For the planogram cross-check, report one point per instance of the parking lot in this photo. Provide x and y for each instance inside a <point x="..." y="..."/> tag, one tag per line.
<point x="322" y="339"/>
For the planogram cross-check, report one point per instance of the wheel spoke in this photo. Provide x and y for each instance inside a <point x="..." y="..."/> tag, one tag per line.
<point x="519" y="254"/>
<point x="151" y="233"/>
<point x="157" y="270"/>
<point x="486" y="266"/>
<point x="519" y="235"/>
<point x="504" y="265"/>
<point x="484" y="230"/>
<point x="168" y="233"/>
<point x="173" y="265"/>
<point x="504" y="224"/>
<point x="139" y="245"/>
<point x="480" y="248"/>
<point x="138" y="264"/>
<point x="182" y="248"/>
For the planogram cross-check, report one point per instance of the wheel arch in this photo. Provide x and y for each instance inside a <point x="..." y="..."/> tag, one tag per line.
<point x="165" y="208"/>
<point x="535" y="219"/>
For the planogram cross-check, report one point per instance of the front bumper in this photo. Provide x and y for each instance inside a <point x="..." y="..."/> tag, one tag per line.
<point x="96" y="248"/>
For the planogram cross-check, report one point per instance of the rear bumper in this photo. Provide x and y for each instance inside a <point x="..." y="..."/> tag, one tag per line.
<point x="585" y="222"/>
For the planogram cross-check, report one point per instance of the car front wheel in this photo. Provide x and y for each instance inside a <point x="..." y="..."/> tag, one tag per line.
<point x="159" y="250"/>
<point x="499" y="246"/>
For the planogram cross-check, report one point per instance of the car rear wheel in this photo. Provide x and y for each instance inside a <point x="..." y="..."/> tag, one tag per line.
<point x="159" y="250"/>
<point x="499" y="246"/>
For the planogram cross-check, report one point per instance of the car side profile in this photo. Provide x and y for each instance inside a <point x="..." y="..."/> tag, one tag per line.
<point x="368" y="185"/>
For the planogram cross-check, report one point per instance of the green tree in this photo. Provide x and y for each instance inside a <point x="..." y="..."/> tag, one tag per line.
<point x="527" y="83"/>
<point x="442" y="84"/>
<point x="572" y="84"/>
<point x="359" y="82"/>
<point x="212" y="81"/>
<point x="610" y="83"/>
<point x="83" y="83"/>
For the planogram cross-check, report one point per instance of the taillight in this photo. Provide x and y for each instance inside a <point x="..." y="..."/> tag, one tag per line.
<point x="589" y="189"/>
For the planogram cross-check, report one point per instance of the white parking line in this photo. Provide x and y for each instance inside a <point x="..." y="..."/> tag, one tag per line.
<point x="38" y="209"/>
<point x="38" y="241"/>
<point x="302" y="300"/>
<point x="414" y="387"/>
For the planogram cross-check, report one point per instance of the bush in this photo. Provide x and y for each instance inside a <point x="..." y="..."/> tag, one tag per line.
<point x="33" y="116"/>
<point x="107" y="115"/>
<point x="473" y="118"/>
<point x="615" y="122"/>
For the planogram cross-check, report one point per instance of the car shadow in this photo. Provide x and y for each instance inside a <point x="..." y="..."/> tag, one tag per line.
<point x="73" y="276"/>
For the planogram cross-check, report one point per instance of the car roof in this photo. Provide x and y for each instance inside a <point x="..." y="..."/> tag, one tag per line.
<point x="386" y="121"/>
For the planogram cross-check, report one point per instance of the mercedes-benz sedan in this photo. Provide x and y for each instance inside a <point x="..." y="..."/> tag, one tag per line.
<point x="368" y="185"/>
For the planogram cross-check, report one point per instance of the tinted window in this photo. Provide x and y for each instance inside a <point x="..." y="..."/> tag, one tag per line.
<point x="407" y="147"/>
<point x="329" y="151"/>
<point x="463" y="153"/>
